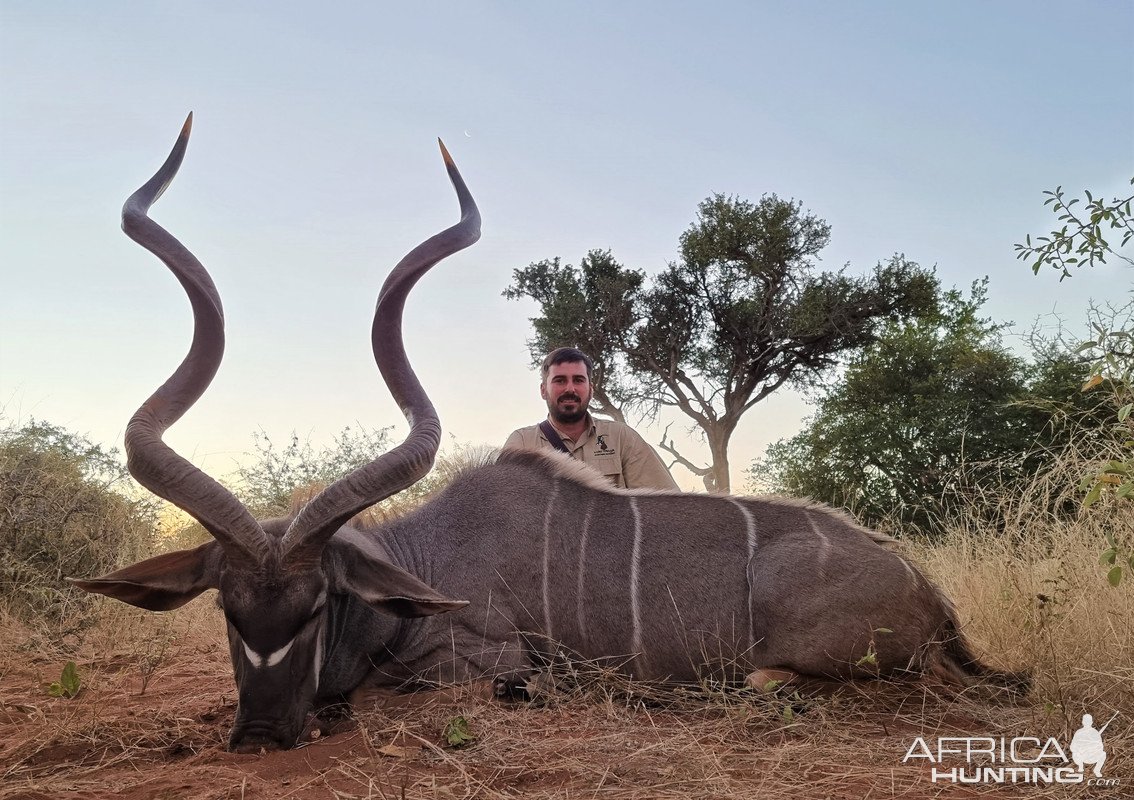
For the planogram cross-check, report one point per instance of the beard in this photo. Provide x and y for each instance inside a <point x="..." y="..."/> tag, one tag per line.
<point x="564" y="417"/>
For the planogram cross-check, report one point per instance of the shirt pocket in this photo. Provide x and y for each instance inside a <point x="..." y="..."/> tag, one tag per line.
<point x="611" y="469"/>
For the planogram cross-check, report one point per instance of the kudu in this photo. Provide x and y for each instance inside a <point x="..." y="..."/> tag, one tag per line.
<point x="545" y="554"/>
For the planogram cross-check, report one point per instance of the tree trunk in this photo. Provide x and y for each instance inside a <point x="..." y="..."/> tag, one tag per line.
<point x="717" y="480"/>
<point x="715" y="476"/>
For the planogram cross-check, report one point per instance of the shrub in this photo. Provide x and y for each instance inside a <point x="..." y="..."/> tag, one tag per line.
<point x="267" y="483"/>
<point x="66" y="510"/>
<point x="279" y="481"/>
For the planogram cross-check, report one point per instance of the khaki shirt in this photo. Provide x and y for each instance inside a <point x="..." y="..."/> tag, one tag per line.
<point x="614" y="449"/>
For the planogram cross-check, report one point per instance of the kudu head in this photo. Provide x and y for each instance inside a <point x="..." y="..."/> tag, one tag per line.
<point x="274" y="579"/>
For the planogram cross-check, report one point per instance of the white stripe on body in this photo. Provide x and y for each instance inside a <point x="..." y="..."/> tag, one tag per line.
<point x="750" y="523"/>
<point x="320" y="602"/>
<point x="824" y="542"/>
<point x="318" y="657"/>
<point x="580" y="617"/>
<point x="635" y="558"/>
<point x="547" y="519"/>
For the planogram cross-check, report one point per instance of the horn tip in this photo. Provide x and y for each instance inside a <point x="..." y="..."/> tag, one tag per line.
<point x="188" y="126"/>
<point x="445" y="153"/>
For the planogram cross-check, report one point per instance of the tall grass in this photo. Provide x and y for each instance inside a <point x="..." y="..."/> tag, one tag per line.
<point x="1036" y="596"/>
<point x="1033" y="593"/>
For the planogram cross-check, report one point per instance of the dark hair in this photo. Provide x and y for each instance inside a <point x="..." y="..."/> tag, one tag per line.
<point x="566" y="355"/>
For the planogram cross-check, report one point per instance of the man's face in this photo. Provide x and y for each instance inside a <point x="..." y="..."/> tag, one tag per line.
<point x="567" y="390"/>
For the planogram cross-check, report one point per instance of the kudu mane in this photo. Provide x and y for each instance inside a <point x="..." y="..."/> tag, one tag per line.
<point x="560" y="466"/>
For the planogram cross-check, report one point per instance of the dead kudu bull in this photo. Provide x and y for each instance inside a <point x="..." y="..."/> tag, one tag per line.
<point x="538" y="548"/>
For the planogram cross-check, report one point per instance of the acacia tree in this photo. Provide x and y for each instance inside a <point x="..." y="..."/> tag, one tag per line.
<point x="1081" y="238"/>
<point x="742" y="312"/>
<point x="591" y="307"/>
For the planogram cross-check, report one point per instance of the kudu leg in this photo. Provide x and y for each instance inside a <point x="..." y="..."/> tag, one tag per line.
<point x="770" y="679"/>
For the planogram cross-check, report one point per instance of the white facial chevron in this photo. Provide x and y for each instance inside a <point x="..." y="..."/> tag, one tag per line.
<point x="270" y="660"/>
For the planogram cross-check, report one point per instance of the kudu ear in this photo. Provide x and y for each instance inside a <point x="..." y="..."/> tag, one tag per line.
<point x="163" y="582"/>
<point x="388" y="588"/>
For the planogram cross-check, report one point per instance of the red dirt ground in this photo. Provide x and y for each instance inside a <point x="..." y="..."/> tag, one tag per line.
<point x="168" y="741"/>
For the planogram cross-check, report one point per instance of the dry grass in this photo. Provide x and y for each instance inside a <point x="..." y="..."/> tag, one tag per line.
<point x="1033" y="597"/>
<point x="1043" y="600"/>
<point x="608" y="738"/>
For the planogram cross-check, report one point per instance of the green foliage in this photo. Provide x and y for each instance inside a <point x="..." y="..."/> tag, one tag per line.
<point x="266" y="484"/>
<point x="1111" y="356"/>
<point x="67" y="509"/>
<point x="742" y="312"/>
<point x="1113" y="348"/>
<point x="1080" y="239"/>
<point x="596" y="304"/>
<point x="457" y="733"/>
<point x="934" y="411"/>
<point x="279" y="481"/>
<point x="1113" y="557"/>
<point x="68" y="684"/>
<point x="870" y="659"/>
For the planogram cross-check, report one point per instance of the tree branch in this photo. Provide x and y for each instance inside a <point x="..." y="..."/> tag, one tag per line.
<point x="605" y="406"/>
<point x="765" y="391"/>
<point x="669" y="447"/>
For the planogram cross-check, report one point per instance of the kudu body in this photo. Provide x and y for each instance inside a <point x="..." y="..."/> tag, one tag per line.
<point x="530" y="554"/>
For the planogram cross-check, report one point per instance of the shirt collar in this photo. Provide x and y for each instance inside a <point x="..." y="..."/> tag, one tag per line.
<point x="588" y="431"/>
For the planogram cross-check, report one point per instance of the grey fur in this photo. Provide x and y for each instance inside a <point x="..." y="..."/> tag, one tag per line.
<point x="706" y="607"/>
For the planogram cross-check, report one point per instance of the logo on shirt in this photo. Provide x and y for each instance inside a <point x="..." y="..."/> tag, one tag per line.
<point x="603" y="448"/>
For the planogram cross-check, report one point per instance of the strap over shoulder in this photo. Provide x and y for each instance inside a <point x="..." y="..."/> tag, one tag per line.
<point x="553" y="437"/>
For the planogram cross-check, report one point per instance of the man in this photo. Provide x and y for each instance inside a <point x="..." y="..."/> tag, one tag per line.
<point x="1087" y="746"/>
<point x="614" y="449"/>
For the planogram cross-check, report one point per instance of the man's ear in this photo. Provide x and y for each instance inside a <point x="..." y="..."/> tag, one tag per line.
<point x="163" y="582"/>
<point x="543" y="389"/>
<point x="385" y="587"/>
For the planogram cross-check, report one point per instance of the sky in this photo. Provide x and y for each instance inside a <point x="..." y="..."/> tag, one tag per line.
<point x="924" y="129"/>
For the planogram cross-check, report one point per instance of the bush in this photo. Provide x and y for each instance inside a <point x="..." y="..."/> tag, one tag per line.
<point x="267" y="484"/>
<point x="935" y="419"/>
<point x="279" y="481"/>
<point x="66" y="510"/>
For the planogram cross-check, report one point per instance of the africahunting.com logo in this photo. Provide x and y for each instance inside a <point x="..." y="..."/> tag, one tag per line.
<point x="1022" y="759"/>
